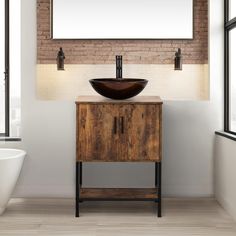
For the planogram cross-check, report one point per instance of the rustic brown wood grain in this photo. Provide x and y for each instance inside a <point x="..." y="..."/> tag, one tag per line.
<point x="142" y="132"/>
<point x="138" y="133"/>
<point x="118" y="193"/>
<point x="96" y="138"/>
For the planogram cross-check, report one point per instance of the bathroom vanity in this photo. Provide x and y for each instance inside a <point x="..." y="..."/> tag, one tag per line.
<point x="118" y="131"/>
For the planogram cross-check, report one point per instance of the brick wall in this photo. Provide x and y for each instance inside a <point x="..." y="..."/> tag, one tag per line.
<point x="134" y="51"/>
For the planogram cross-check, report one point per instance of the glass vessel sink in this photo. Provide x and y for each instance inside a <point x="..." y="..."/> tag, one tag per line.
<point x="118" y="88"/>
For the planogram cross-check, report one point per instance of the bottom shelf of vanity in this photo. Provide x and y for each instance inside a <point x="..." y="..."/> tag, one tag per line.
<point x="118" y="194"/>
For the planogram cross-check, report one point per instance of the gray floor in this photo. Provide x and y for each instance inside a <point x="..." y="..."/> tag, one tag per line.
<point x="181" y="217"/>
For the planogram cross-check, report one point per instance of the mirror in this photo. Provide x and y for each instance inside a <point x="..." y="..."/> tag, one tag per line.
<point x="122" y="19"/>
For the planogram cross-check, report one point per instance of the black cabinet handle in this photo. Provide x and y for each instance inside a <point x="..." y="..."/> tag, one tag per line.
<point x="122" y="124"/>
<point x="115" y="125"/>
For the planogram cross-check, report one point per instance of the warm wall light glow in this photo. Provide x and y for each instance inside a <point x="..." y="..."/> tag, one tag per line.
<point x="190" y="84"/>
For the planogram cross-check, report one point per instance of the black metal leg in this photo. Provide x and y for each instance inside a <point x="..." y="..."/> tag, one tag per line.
<point x="81" y="174"/>
<point x="77" y="191"/>
<point x="80" y="169"/>
<point x="156" y="178"/>
<point x="155" y="174"/>
<point x="159" y="189"/>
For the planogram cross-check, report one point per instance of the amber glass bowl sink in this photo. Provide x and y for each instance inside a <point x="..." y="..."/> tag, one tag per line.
<point x="118" y="88"/>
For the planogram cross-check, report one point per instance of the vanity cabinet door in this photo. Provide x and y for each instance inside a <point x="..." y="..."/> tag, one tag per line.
<point x="97" y="132"/>
<point x="118" y="132"/>
<point x="143" y="132"/>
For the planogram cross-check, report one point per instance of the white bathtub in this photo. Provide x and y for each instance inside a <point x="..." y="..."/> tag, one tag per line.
<point x="11" y="161"/>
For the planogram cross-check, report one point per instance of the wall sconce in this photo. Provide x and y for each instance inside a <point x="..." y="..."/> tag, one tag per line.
<point x="60" y="60"/>
<point x="178" y="60"/>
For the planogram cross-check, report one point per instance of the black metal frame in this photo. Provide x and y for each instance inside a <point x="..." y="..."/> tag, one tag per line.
<point x="78" y="185"/>
<point x="226" y="135"/>
<point x="158" y="179"/>
<point x="7" y="70"/>
<point x="228" y="25"/>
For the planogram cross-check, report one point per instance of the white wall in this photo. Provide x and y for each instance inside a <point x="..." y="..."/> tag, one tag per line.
<point x="48" y="132"/>
<point x="225" y="174"/>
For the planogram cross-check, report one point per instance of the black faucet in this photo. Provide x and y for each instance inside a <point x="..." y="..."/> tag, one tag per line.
<point x="119" y="67"/>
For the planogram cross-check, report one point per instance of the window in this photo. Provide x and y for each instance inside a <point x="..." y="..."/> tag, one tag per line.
<point x="230" y="67"/>
<point x="10" y="68"/>
<point x="4" y="65"/>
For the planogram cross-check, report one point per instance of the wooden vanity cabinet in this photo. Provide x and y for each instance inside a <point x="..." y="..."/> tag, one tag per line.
<point x="118" y="131"/>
